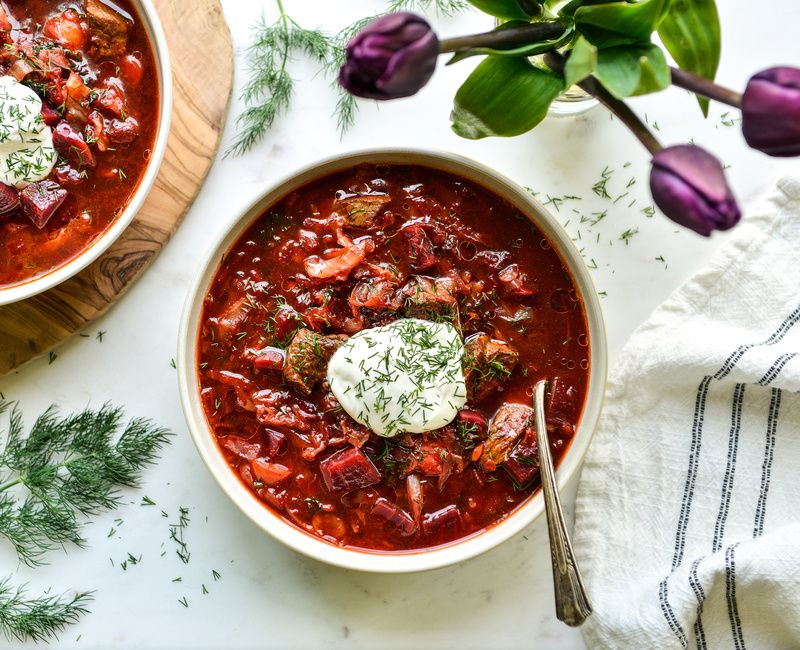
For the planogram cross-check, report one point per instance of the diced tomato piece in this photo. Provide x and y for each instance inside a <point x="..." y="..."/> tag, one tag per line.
<point x="348" y="470"/>
<point x="67" y="30"/>
<point x="76" y="89"/>
<point x="269" y="473"/>
<point x="131" y="70"/>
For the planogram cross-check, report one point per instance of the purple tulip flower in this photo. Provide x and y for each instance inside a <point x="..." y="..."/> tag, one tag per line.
<point x="689" y="186"/>
<point x="771" y="111"/>
<point x="393" y="56"/>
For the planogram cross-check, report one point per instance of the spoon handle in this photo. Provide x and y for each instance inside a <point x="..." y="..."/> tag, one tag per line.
<point x="572" y="603"/>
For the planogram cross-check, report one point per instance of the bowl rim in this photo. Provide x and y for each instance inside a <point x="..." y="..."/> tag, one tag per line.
<point x="29" y="288"/>
<point x="302" y="542"/>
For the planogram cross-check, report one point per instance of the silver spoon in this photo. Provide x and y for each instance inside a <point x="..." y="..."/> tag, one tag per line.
<point x="572" y="603"/>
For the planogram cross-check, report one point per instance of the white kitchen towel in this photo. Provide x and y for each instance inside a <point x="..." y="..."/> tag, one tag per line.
<point x="687" y="524"/>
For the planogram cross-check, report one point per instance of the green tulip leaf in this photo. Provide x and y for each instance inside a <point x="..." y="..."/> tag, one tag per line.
<point x="690" y="32"/>
<point x="506" y="9"/>
<point x="503" y="96"/>
<point x="628" y="70"/>
<point x="581" y="63"/>
<point x="620" y="23"/>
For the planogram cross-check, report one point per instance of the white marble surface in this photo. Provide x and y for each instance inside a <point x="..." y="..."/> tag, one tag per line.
<point x="267" y="596"/>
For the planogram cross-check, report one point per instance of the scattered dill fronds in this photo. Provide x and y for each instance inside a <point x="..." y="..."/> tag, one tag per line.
<point x="40" y="618"/>
<point x="599" y="187"/>
<point x="67" y="468"/>
<point x="176" y="532"/>
<point x="626" y="236"/>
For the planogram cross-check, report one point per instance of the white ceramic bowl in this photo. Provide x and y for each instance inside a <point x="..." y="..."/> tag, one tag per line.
<point x="155" y="33"/>
<point x="396" y="562"/>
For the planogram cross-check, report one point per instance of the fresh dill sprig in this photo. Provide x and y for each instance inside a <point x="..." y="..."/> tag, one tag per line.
<point x="67" y="468"/>
<point x="268" y="91"/>
<point x="40" y="618"/>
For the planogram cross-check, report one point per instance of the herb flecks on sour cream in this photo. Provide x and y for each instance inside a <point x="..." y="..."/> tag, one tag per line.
<point x="405" y="377"/>
<point x="26" y="142"/>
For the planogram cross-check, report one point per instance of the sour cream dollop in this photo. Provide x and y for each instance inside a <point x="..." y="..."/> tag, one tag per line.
<point x="405" y="377"/>
<point x="26" y="142"/>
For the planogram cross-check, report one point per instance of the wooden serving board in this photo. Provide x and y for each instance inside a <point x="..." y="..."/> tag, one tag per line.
<point x="202" y="69"/>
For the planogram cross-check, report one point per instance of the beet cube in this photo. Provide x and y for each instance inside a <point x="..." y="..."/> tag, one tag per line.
<point x="275" y="441"/>
<point x="420" y="248"/>
<point x="441" y="519"/>
<point x="563" y="401"/>
<point x="523" y="461"/>
<point x="348" y="470"/>
<point x="394" y="514"/>
<point x="9" y="199"/>
<point x="41" y="200"/>
<point x="49" y="115"/>
<point x="70" y="144"/>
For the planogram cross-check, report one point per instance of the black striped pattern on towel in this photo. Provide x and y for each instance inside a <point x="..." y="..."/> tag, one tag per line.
<point x="691" y="479"/>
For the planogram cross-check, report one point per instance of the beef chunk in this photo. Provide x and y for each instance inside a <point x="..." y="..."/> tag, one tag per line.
<point x="420" y="248"/>
<point x="431" y="299"/>
<point x="509" y="424"/>
<point x="108" y="28"/>
<point x="362" y="211"/>
<point x="307" y="358"/>
<point x="41" y="200"/>
<point x="348" y="470"/>
<point x="487" y="365"/>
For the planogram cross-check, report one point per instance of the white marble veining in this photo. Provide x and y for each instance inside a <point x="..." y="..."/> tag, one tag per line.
<point x="267" y="596"/>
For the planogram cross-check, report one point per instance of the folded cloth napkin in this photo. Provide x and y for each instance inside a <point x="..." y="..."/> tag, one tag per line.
<point x="687" y="523"/>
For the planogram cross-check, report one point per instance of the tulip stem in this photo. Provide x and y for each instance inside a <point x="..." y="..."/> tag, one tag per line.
<point x="706" y="88"/>
<point x="616" y="106"/>
<point x="504" y="39"/>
